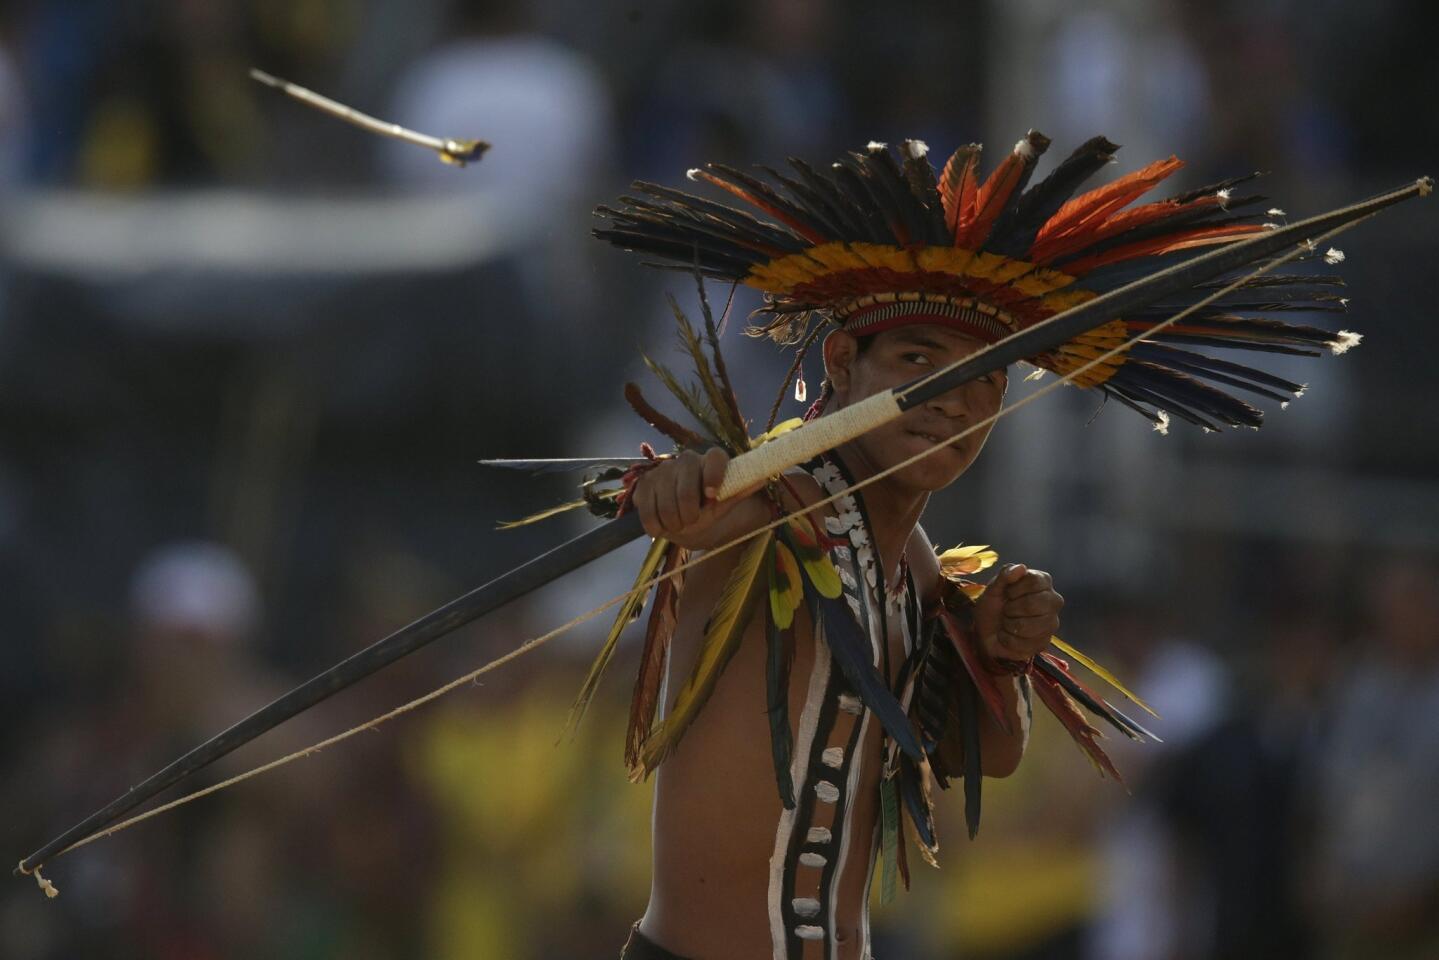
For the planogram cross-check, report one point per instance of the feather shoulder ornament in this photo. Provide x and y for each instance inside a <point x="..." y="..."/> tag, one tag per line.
<point x="787" y="568"/>
<point x="955" y="684"/>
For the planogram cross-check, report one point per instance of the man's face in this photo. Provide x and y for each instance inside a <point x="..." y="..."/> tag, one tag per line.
<point x="899" y="356"/>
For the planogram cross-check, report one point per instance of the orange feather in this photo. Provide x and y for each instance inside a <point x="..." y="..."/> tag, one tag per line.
<point x="1095" y="205"/>
<point x="991" y="199"/>
<point x="957" y="186"/>
<point x="1203" y="236"/>
<point x="1094" y="231"/>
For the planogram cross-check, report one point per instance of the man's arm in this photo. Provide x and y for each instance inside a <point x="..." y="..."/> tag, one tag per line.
<point x="679" y="500"/>
<point x="1014" y="619"/>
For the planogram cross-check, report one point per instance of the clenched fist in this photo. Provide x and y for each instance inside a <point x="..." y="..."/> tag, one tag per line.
<point x="1017" y="614"/>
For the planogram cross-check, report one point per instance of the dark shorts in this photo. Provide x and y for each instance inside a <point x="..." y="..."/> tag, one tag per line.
<point x="641" y="948"/>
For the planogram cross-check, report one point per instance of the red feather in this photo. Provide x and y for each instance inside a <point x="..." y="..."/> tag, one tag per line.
<point x="983" y="679"/>
<point x="1068" y="713"/>
<point x="664" y="614"/>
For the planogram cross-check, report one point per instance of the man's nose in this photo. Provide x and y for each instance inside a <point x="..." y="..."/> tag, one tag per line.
<point x="952" y="404"/>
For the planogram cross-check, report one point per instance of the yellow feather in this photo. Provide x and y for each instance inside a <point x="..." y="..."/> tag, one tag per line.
<point x="778" y="430"/>
<point x="726" y="625"/>
<point x="837" y="256"/>
<point x="985" y="265"/>
<point x="1102" y="673"/>
<point x="1062" y="300"/>
<point x="972" y="590"/>
<point x="629" y="609"/>
<point x="786" y="590"/>
<point x="1009" y="270"/>
<point x="1041" y="281"/>
<point x="884" y="256"/>
<point x="952" y="260"/>
<point x="546" y="514"/>
<point x="959" y="561"/>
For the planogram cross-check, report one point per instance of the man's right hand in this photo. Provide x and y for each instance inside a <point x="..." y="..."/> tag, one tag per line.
<point x="679" y="499"/>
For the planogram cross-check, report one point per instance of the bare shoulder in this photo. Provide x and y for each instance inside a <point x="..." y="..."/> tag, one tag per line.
<point x="798" y="482"/>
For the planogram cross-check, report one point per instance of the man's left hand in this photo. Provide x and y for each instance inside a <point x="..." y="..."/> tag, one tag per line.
<point x="1017" y="614"/>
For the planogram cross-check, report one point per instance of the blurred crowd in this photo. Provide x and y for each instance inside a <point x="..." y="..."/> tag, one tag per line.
<point x="223" y="468"/>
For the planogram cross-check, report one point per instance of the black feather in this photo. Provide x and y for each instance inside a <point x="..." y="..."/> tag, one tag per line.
<point x="1043" y="200"/>
<point x="889" y="179"/>
<point x="1212" y="188"/>
<point x="1202" y="341"/>
<point x="767" y="193"/>
<point x="777" y="668"/>
<point x="1098" y="706"/>
<point x="855" y="223"/>
<point x="811" y="201"/>
<point x="693" y="205"/>
<point x="920" y="174"/>
<point x="1004" y="223"/>
<point x="878" y="199"/>
<point x="849" y="176"/>
<point x="1163" y="354"/>
<point x="1137" y="352"/>
<point x="911" y="791"/>
<point x="973" y="765"/>
<point x="1194" y="394"/>
<point x="1110" y="391"/>
<point x="851" y="651"/>
<point x="1122" y="385"/>
<point x="735" y="261"/>
<point x="718" y="235"/>
<point x="562" y="464"/>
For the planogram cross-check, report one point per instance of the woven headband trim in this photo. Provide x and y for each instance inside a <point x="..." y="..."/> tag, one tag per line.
<point x="965" y="317"/>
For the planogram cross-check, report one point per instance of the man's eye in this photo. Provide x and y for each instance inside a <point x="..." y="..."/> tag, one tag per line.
<point x="917" y="358"/>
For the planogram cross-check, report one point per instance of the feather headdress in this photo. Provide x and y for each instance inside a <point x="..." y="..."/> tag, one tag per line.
<point x="879" y="241"/>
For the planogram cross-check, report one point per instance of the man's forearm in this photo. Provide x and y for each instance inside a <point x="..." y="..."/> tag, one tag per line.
<point x="1000" y="752"/>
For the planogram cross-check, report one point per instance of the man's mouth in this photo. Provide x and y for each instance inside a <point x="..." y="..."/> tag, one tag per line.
<point x="933" y="438"/>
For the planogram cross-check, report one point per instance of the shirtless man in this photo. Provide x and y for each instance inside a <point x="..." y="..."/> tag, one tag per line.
<point x="732" y="878"/>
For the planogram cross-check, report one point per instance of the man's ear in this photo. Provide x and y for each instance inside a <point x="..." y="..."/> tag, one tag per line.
<point x="840" y="351"/>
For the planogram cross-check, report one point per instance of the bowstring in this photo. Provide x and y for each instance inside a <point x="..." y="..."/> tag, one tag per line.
<point x="641" y="590"/>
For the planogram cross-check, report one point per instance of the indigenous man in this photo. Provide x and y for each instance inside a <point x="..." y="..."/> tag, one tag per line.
<point x="883" y="672"/>
<point x="716" y="812"/>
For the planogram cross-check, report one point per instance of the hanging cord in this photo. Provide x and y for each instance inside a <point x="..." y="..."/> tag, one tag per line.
<point x="794" y="368"/>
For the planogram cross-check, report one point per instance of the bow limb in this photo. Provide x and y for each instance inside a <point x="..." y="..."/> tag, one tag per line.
<point x="748" y="470"/>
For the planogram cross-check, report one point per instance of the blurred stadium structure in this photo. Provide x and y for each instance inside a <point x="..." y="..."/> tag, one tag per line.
<point x="224" y="318"/>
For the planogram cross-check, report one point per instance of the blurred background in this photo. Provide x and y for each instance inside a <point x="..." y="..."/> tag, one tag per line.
<point x="250" y="357"/>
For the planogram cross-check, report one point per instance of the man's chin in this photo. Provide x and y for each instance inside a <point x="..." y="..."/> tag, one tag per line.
<point x="934" y="472"/>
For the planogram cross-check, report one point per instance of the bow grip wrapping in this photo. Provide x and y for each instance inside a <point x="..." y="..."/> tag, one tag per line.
<point x="753" y="468"/>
